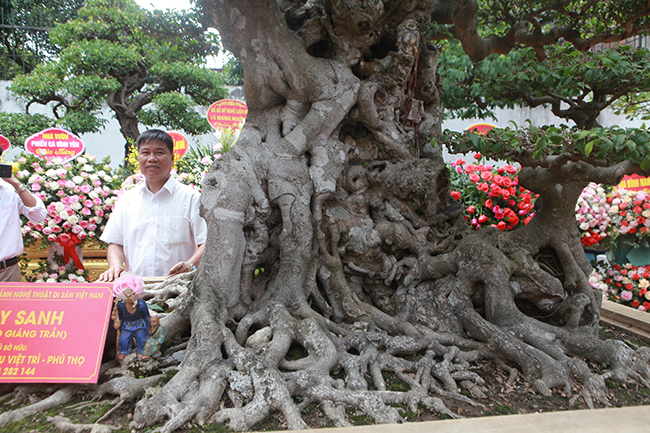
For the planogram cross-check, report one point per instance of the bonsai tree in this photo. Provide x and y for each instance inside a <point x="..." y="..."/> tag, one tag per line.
<point x="333" y="233"/>
<point x="148" y="68"/>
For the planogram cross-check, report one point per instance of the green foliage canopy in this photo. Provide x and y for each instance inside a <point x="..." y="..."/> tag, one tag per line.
<point x="148" y="67"/>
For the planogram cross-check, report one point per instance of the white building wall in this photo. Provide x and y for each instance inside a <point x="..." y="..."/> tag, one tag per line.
<point x="109" y="142"/>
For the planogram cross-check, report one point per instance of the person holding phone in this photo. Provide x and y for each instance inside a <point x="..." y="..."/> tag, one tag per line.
<point x="15" y="199"/>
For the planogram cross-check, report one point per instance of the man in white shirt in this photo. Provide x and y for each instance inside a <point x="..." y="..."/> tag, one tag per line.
<point x="155" y="228"/>
<point x="15" y="199"/>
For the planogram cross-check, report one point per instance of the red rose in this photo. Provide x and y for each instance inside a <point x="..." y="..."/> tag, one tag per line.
<point x="456" y="195"/>
<point x="623" y="271"/>
<point x="501" y="226"/>
<point x="482" y="219"/>
<point x="646" y="205"/>
<point x="471" y="209"/>
<point x="623" y="213"/>
<point x="632" y="230"/>
<point x="629" y="286"/>
<point x="646" y="305"/>
<point x="635" y="276"/>
<point x="474" y="177"/>
<point x="635" y="303"/>
<point x="488" y="204"/>
<point x="637" y="209"/>
<point x="477" y="155"/>
<point x="622" y="205"/>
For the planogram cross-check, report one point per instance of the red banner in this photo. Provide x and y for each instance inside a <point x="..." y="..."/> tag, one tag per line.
<point x="181" y="145"/>
<point x="53" y="332"/>
<point x="227" y="113"/>
<point x="4" y="143"/>
<point x="481" y="128"/>
<point x="55" y="143"/>
<point x="635" y="183"/>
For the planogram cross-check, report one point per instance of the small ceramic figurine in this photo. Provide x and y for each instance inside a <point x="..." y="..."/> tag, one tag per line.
<point x="155" y="340"/>
<point x="130" y="316"/>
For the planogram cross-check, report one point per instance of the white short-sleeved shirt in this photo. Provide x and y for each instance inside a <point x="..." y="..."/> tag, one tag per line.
<point x="156" y="230"/>
<point x="11" y="206"/>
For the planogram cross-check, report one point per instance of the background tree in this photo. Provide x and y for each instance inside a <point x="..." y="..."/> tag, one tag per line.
<point x="25" y="32"/>
<point x="335" y="190"/>
<point x="148" y="68"/>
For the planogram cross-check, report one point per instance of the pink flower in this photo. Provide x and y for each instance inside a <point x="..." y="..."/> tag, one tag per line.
<point x="474" y="177"/>
<point x="85" y="189"/>
<point x="61" y="182"/>
<point x="56" y="229"/>
<point x="477" y="155"/>
<point x="65" y="237"/>
<point x="66" y="225"/>
<point x="57" y="219"/>
<point x="128" y="281"/>
<point x="88" y="203"/>
<point x="626" y="295"/>
<point x="99" y="213"/>
<point x="36" y="187"/>
<point x="83" y="224"/>
<point x="47" y="231"/>
<point x="85" y="211"/>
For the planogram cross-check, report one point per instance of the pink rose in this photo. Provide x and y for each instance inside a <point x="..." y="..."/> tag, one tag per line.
<point x="88" y="203"/>
<point x="56" y="229"/>
<point x="47" y="231"/>
<point x="66" y="225"/>
<point x="36" y="187"/>
<point x="85" y="189"/>
<point x="99" y="213"/>
<point x="85" y="211"/>
<point x="64" y="237"/>
<point x="83" y="224"/>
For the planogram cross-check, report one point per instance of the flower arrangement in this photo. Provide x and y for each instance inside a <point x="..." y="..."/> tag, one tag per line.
<point x="592" y="214"/>
<point x="491" y="195"/>
<point x="630" y="216"/>
<point x="628" y="285"/>
<point x="78" y="196"/>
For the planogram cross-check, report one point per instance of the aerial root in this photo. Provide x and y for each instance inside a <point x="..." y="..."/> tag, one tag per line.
<point x="61" y="396"/>
<point x="64" y="424"/>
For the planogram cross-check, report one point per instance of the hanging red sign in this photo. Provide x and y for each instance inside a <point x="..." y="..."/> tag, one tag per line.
<point x="481" y="128"/>
<point x="4" y="143"/>
<point x="635" y="183"/>
<point x="227" y="113"/>
<point x="55" y="143"/>
<point x="181" y="145"/>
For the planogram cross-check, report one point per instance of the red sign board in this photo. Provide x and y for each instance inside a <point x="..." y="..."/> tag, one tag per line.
<point x="227" y="113"/>
<point x="481" y="128"/>
<point x="181" y="145"/>
<point x="53" y="332"/>
<point x="635" y="183"/>
<point x="4" y="143"/>
<point x="55" y="143"/>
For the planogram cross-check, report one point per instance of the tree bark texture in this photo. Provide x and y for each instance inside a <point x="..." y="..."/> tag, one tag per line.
<point x="332" y="230"/>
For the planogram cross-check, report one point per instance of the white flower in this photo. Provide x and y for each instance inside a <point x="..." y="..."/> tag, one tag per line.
<point x="584" y="226"/>
<point x="73" y="219"/>
<point x="77" y="179"/>
<point x="81" y="160"/>
<point x="76" y="206"/>
<point x="50" y="173"/>
<point x="59" y="207"/>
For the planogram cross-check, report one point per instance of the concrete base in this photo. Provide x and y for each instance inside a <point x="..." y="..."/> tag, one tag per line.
<point x="616" y="420"/>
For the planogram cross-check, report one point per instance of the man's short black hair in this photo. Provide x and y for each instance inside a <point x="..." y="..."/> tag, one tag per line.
<point x="156" y="135"/>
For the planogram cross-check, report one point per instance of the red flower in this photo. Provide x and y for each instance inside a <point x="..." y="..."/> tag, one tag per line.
<point x="646" y="275"/>
<point x="632" y="230"/>
<point x="509" y="169"/>
<point x="642" y="291"/>
<point x="635" y="276"/>
<point x="617" y="267"/>
<point x="501" y="226"/>
<point x="646" y="205"/>
<point x="482" y="219"/>
<point x="470" y="169"/>
<point x="635" y="303"/>
<point x="511" y="216"/>
<point x="484" y="187"/>
<point x="487" y="176"/>
<point x="471" y="209"/>
<point x="629" y="286"/>
<point x="646" y="305"/>
<point x="477" y="155"/>
<point x="527" y="220"/>
<point x="637" y="209"/>
<point x="623" y="213"/>
<point x="488" y="204"/>
<point x="622" y="205"/>
<point x="474" y="177"/>
<point x="624" y="271"/>
<point x="456" y="195"/>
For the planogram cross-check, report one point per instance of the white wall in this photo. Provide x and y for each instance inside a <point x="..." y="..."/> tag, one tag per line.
<point x="109" y="142"/>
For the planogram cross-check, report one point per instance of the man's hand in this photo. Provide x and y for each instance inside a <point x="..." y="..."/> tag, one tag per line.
<point x="180" y="268"/>
<point x="111" y="274"/>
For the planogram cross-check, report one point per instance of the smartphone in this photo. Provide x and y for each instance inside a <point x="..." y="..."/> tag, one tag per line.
<point x="5" y="170"/>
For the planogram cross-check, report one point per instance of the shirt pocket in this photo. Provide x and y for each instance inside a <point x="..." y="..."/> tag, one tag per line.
<point x="176" y="231"/>
<point x="9" y="217"/>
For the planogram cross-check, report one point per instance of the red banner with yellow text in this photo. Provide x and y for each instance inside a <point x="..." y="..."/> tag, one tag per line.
<point x="181" y="145"/>
<point x="227" y="113"/>
<point x="635" y="183"/>
<point x="55" y="143"/>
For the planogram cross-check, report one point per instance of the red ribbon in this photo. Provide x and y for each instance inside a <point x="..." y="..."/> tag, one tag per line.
<point x="69" y="250"/>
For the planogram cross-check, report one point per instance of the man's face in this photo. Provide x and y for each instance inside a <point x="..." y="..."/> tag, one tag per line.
<point x="155" y="161"/>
